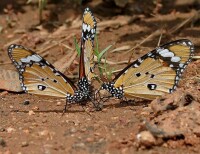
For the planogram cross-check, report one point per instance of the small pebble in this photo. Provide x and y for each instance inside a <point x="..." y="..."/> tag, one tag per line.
<point x="36" y="108"/>
<point x="26" y="131"/>
<point x="31" y="112"/>
<point x="2" y="142"/>
<point x="146" y="139"/>
<point x="2" y="129"/>
<point x="89" y="139"/>
<point x="26" y="102"/>
<point x="58" y="103"/>
<point x="79" y="145"/>
<point x="44" y="133"/>
<point x="11" y="107"/>
<point x="24" y="144"/>
<point x="10" y="129"/>
<point x="73" y="130"/>
<point x="97" y="134"/>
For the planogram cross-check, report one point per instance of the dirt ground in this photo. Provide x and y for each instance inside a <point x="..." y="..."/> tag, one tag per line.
<point x="170" y="124"/>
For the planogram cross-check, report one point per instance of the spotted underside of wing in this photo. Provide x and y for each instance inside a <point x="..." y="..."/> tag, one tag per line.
<point x="156" y="73"/>
<point x="37" y="76"/>
<point x="89" y="59"/>
<point x="87" y="44"/>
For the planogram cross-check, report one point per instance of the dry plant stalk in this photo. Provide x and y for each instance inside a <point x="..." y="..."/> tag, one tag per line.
<point x="173" y="30"/>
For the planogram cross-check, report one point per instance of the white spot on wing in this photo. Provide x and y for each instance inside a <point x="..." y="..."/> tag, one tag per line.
<point x="184" y="43"/>
<point x="175" y="59"/>
<point x="84" y="27"/>
<point x="181" y="65"/>
<point x="153" y="86"/>
<point x="35" y="58"/>
<point x="166" y="53"/>
<point x="88" y="28"/>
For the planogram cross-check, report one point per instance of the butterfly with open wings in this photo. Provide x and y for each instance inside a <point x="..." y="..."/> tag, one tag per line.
<point x="38" y="76"/>
<point x="154" y="74"/>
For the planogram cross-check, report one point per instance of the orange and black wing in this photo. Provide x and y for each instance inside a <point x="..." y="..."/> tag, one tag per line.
<point x="37" y="75"/>
<point x="156" y="73"/>
<point x="86" y="65"/>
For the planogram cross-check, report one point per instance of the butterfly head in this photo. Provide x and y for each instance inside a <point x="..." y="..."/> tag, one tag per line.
<point x="114" y="91"/>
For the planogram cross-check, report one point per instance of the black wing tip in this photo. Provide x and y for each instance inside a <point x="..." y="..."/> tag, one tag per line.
<point x="87" y="9"/>
<point x="12" y="46"/>
<point x="187" y="41"/>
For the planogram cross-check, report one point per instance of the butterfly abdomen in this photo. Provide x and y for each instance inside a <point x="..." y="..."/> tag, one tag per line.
<point x="114" y="91"/>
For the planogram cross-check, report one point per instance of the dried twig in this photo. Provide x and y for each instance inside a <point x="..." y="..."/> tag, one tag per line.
<point x="196" y="57"/>
<point x="126" y="47"/>
<point x="126" y="20"/>
<point x="66" y="65"/>
<point x="171" y="31"/>
<point x="111" y="62"/>
<point x="59" y="63"/>
<point x="116" y="71"/>
<point x="12" y="42"/>
<point x="155" y="131"/>
<point x="156" y="33"/>
<point x="186" y="21"/>
<point x="54" y="43"/>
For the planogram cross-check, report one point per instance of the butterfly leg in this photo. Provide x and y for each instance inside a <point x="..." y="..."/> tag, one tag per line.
<point x="97" y="104"/>
<point x="101" y="99"/>
<point x="65" y="109"/>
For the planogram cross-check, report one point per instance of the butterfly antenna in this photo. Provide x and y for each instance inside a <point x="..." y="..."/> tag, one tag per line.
<point x="96" y="106"/>
<point x="102" y="100"/>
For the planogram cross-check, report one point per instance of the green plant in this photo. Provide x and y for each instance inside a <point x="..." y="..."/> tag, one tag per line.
<point x="100" y="55"/>
<point x="41" y="6"/>
<point x="77" y="46"/>
<point x="103" y="69"/>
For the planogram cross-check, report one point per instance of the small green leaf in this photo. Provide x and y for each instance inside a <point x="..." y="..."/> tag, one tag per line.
<point x="103" y="52"/>
<point x="97" y="46"/>
<point x="109" y="75"/>
<point x="77" y="46"/>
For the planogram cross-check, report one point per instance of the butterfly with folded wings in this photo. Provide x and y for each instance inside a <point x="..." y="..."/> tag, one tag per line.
<point x="154" y="74"/>
<point x="38" y="76"/>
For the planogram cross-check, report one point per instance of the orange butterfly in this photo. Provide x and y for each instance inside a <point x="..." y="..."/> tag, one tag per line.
<point x="154" y="74"/>
<point x="38" y="76"/>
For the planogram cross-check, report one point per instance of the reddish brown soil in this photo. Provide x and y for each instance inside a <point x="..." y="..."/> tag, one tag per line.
<point x="167" y="125"/>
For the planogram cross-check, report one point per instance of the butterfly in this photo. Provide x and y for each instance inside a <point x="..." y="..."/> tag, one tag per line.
<point x="154" y="74"/>
<point x="38" y="76"/>
<point x="87" y="45"/>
